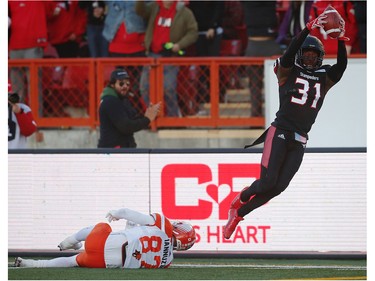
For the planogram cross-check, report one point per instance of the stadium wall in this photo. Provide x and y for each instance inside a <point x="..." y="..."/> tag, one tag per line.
<point x="342" y="121"/>
<point x="54" y="193"/>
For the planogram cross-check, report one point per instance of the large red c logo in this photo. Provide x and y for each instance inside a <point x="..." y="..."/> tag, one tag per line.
<point x="168" y="191"/>
<point x="203" y="210"/>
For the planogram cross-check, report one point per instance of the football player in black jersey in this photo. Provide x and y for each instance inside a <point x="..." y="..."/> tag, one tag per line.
<point x="303" y="84"/>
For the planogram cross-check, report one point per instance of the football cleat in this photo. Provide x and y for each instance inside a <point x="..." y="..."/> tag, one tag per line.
<point x="18" y="262"/>
<point x="233" y="220"/>
<point x="70" y="243"/>
<point x="237" y="203"/>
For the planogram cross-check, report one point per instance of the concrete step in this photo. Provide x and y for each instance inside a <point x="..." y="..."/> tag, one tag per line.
<point x="237" y="95"/>
<point x="239" y="109"/>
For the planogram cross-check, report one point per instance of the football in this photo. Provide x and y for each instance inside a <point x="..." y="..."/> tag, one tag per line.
<point x="333" y="25"/>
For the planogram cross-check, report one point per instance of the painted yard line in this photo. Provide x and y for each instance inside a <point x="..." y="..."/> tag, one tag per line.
<point x="253" y="266"/>
<point x="328" y="278"/>
<point x="270" y="266"/>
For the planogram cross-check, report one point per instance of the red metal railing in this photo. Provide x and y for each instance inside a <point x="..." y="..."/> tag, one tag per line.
<point x="50" y="86"/>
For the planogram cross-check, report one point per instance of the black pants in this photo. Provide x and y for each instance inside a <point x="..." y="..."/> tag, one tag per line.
<point x="281" y="159"/>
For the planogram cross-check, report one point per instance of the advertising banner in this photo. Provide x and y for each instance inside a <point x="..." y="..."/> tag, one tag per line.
<point x="51" y="196"/>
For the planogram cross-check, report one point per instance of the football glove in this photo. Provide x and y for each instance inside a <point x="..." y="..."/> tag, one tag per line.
<point x="342" y="27"/>
<point x="112" y="216"/>
<point x="317" y="22"/>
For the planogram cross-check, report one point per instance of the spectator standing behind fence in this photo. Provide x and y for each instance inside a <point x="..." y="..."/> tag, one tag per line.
<point x="96" y="14"/>
<point x="167" y="22"/>
<point x="125" y="30"/>
<point x="119" y="120"/>
<point x="294" y="21"/>
<point x="66" y="27"/>
<point x="261" y="22"/>
<point x="346" y="10"/>
<point x="21" y="122"/>
<point x="360" y="8"/>
<point x="28" y="37"/>
<point x="209" y="16"/>
<point x="233" y="18"/>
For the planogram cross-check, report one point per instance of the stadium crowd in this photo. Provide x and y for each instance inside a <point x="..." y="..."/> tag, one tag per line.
<point x="139" y="28"/>
<point x="113" y="28"/>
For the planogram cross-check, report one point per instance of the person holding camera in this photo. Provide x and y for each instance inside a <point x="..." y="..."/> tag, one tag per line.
<point x="21" y="122"/>
<point x="119" y="119"/>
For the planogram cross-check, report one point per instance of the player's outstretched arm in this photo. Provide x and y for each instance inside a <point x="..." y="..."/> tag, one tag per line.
<point x="130" y="215"/>
<point x="337" y="70"/>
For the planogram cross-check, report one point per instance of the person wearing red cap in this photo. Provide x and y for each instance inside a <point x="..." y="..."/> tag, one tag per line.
<point x="21" y="122"/>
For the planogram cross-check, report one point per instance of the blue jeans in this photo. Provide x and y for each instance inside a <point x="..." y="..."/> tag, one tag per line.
<point x="98" y="45"/>
<point x="170" y="84"/>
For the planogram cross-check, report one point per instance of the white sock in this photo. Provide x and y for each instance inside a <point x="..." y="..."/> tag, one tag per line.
<point x="82" y="234"/>
<point x="56" y="262"/>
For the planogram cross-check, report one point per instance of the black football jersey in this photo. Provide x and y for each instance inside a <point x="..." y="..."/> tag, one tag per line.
<point x="301" y="98"/>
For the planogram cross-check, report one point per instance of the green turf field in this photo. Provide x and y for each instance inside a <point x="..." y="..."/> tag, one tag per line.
<point x="209" y="269"/>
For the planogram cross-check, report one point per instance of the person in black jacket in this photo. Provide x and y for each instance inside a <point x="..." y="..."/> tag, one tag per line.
<point x="119" y="120"/>
<point x="303" y="85"/>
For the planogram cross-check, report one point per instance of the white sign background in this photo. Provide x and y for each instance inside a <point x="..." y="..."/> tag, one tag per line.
<point x="51" y="196"/>
<point x="342" y="120"/>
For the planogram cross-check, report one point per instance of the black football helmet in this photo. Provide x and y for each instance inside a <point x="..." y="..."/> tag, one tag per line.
<point x="311" y="43"/>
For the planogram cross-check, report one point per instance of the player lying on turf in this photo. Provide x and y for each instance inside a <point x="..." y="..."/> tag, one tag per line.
<point x="148" y="243"/>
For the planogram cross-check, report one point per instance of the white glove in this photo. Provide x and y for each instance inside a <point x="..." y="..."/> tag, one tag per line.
<point x="130" y="224"/>
<point x="317" y="22"/>
<point x="113" y="215"/>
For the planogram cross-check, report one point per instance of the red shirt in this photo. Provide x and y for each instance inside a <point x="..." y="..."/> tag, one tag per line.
<point x="28" y="24"/>
<point x="162" y="27"/>
<point x="71" y="19"/>
<point x="127" y="43"/>
<point x="20" y="126"/>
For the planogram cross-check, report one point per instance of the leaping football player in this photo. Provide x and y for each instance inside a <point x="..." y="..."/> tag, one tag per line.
<point x="303" y="85"/>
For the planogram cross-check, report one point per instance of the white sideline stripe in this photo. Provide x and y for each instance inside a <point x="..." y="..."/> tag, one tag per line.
<point x="253" y="266"/>
<point x="270" y="266"/>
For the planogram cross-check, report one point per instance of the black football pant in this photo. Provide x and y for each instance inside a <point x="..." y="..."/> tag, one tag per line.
<point x="281" y="159"/>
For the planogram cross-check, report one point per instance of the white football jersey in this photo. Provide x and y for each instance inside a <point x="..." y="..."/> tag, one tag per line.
<point x="145" y="246"/>
<point x="148" y="247"/>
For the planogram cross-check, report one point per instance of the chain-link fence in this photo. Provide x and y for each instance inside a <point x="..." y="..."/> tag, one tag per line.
<point x="199" y="92"/>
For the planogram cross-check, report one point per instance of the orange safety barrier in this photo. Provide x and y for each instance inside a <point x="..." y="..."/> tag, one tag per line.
<point x="210" y="92"/>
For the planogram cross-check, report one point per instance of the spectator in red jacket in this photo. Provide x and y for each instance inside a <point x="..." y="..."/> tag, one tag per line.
<point x="21" y="122"/>
<point x="28" y="36"/>
<point x="346" y="10"/>
<point x="66" y="27"/>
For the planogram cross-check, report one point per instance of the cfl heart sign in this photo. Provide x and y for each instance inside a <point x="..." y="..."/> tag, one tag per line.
<point x="200" y="188"/>
<point x="220" y="191"/>
<point x="323" y="209"/>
